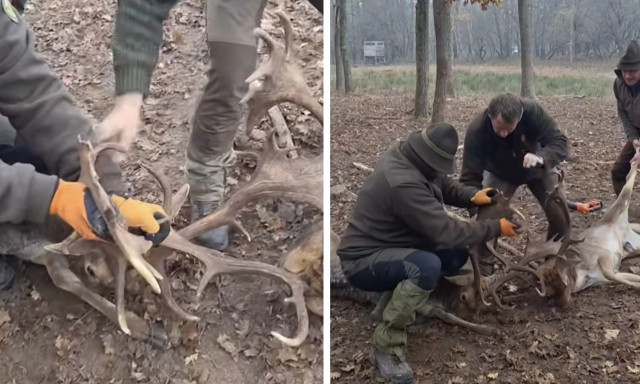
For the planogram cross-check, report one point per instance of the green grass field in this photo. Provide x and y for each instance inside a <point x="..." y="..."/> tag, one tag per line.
<point x="483" y="79"/>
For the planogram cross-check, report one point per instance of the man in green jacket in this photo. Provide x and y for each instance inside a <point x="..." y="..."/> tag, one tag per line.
<point x="511" y="143"/>
<point x="626" y="88"/>
<point x="44" y="117"/>
<point x="232" y="48"/>
<point x="399" y="237"/>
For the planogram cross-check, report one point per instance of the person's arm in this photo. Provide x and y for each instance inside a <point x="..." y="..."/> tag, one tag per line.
<point x="138" y="36"/>
<point x="554" y="142"/>
<point x="631" y="131"/>
<point x="427" y="217"/>
<point x="39" y="108"/>
<point x="457" y="194"/>
<point x="136" y="45"/>
<point x="473" y="156"/>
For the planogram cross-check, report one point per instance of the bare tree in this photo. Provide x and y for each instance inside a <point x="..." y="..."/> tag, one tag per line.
<point x="526" y="49"/>
<point x="337" y="46"/>
<point x="442" y="26"/>
<point x="421" y="108"/>
<point x="342" y="30"/>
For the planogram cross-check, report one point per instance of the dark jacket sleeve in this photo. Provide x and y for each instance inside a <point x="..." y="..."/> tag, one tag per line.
<point x="456" y="194"/>
<point x="473" y="155"/>
<point x="39" y="108"/>
<point x="631" y="131"/>
<point x="138" y="36"/>
<point x="554" y="142"/>
<point x="427" y="217"/>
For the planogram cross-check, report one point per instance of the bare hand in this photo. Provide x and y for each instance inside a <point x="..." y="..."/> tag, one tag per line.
<point x="531" y="160"/>
<point x="123" y="121"/>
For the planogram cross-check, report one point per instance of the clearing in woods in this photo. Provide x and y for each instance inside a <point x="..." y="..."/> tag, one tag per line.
<point x="597" y="342"/>
<point x="49" y="336"/>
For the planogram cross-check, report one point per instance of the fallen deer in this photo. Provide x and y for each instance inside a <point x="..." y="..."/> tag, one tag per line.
<point x="594" y="259"/>
<point x="275" y="177"/>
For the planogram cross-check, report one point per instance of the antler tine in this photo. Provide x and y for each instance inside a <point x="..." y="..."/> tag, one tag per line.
<point x="477" y="284"/>
<point x="278" y="79"/>
<point x="215" y="264"/>
<point x="494" y="287"/>
<point x="299" y="179"/>
<point x="130" y="245"/>
<point x="523" y="267"/>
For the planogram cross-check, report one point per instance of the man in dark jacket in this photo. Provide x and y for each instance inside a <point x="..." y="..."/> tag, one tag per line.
<point x="399" y="237"/>
<point x="43" y="115"/>
<point x="626" y="88"/>
<point x="512" y="142"/>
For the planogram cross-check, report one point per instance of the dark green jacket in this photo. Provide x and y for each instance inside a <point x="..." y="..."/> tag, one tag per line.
<point x="628" y="102"/>
<point x="484" y="150"/>
<point x="399" y="207"/>
<point x="44" y="115"/>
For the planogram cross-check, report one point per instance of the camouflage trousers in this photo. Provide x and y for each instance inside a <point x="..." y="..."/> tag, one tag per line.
<point x="232" y="48"/>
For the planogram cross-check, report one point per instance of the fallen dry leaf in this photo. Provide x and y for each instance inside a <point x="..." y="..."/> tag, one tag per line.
<point x="107" y="344"/>
<point x="287" y="354"/>
<point x="611" y="334"/>
<point x="190" y="359"/>
<point x="4" y="317"/>
<point x="62" y="345"/>
<point x="35" y="295"/>
<point x="493" y="375"/>
<point x="456" y="380"/>
<point x="633" y="369"/>
<point x="226" y="344"/>
<point x="335" y="375"/>
<point x="348" y="368"/>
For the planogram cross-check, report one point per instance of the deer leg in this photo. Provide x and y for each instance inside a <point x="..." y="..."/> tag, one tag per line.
<point x="65" y="279"/>
<point x="450" y="318"/>
<point x="607" y="270"/>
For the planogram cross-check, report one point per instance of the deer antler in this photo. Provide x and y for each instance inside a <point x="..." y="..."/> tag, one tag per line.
<point x="277" y="80"/>
<point x="546" y="249"/>
<point x="272" y="179"/>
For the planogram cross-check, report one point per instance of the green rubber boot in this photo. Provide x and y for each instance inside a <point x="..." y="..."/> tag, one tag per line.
<point x="390" y="336"/>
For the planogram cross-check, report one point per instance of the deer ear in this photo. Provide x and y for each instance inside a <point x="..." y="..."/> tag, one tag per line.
<point x="460" y="280"/>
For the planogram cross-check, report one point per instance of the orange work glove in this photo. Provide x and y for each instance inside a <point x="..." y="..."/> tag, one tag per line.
<point x="73" y="202"/>
<point x="508" y="228"/>
<point x="484" y="197"/>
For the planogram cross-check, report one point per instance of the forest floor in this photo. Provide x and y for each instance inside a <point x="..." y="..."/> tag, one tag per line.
<point x="50" y="336"/>
<point x="596" y="342"/>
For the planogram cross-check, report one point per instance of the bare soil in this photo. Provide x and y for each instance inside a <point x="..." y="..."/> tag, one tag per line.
<point x="50" y="336"/>
<point x="596" y="342"/>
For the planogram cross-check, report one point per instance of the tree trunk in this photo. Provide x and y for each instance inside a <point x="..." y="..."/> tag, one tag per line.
<point x="336" y="47"/>
<point x="342" y="29"/>
<point x="526" y="49"/>
<point x="421" y="108"/>
<point x="442" y="24"/>
<point x="572" y="32"/>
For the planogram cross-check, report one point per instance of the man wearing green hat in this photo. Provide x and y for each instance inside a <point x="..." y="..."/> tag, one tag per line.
<point x="626" y="88"/>
<point x="400" y="239"/>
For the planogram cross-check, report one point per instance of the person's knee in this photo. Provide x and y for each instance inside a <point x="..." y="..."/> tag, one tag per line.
<point x="424" y="269"/>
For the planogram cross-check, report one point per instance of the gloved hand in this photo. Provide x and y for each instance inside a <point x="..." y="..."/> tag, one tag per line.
<point x="531" y="160"/>
<point x="122" y="123"/>
<point x="484" y="196"/>
<point x="73" y="202"/>
<point x="508" y="228"/>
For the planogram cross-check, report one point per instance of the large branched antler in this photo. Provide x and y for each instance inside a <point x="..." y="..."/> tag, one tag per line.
<point x="126" y="246"/>
<point x="275" y="177"/>
<point x="279" y="79"/>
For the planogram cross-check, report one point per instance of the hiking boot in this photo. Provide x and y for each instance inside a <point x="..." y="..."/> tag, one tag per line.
<point x="391" y="367"/>
<point x="7" y="275"/>
<point x="217" y="238"/>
